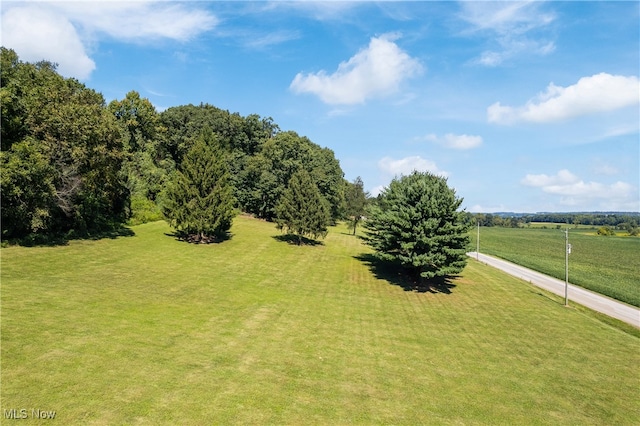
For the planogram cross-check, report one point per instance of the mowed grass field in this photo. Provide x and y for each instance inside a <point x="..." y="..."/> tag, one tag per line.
<point x="607" y="265"/>
<point x="148" y="330"/>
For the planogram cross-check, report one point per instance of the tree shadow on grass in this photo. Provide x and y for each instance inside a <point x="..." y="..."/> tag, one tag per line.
<point x="395" y="274"/>
<point x="196" y="239"/>
<point x="294" y="240"/>
<point x="63" y="239"/>
<point x="351" y="234"/>
<point x="122" y="231"/>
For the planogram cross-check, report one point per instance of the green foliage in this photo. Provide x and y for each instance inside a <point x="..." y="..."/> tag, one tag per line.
<point x="144" y="210"/>
<point x="267" y="174"/>
<point x="184" y="124"/>
<point x="257" y="188"/>
<point x="13" y="111"/>
<point x="417" y="223"/>
<point x="493" y="220"/>
<point x="147" y="165"/>
<point x="28" y="191"/>
<point x="606" y="231"/>
<point x="513" y="220"/>
<point x="355" y="202"/>
<point x="97" y="158"/>
<point x="138" y="119"/>
<point x="57" y="134"/>
<point x="301" y="209"/>
<point x="200" y="202"/>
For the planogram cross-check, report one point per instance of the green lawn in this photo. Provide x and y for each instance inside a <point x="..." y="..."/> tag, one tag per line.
<point x="148" y="330"/>
<point x="607" y="265"/>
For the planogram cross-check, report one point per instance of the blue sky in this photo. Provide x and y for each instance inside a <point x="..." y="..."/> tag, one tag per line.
<point x="523" y="106"/>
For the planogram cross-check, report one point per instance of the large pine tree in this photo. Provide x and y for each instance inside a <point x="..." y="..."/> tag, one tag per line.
<point x="417" y="223"/>
<point x="200" y="198"/>
<point x="302" y="210"/>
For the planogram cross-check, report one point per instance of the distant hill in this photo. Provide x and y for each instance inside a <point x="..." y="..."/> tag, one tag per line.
<point x="596" y="213"/>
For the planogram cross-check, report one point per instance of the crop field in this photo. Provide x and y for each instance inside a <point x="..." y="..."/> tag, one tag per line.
<point x="607" y="265"/>
<point x="552" y="225"/>
<point x="149" y="330"/>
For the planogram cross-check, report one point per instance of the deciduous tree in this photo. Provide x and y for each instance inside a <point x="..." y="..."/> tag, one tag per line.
<point x="60" y="145"/>
<point x="355" y="202"/>
<point x="147" y="164"/>
<point x="268" y="173"/>
<point x="28" y="191"/>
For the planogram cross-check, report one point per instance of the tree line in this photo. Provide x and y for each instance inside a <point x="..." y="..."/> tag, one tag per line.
<point x="620" y="220"/>
<point x="72" y="164"/>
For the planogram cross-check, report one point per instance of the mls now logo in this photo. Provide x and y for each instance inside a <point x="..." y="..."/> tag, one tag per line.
<point x="15" y="413"/>
<point x="23" y="413"/>
<point x="43" y="414"/>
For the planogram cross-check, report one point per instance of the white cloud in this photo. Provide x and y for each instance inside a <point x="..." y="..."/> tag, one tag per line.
<point x="453" y="141"/>
<point x="61" y="32"/>
<point x="575" y="192"/>
<point x="605" y="169"/>
<point x="507" y="24"/>
<point x="505" y="17"/>
<point x="491" y="59"/>
<point x="42" y="34"/>
<point x="511" y="48"/>
<point x="563" y="177"/>
<point x="140" y="20"/>
<point x="376" y="70"/>
<point x="407" y="165"/>
<point x="271" y="39"/>
<point x="598" y="93"/>
<point x="318" y="10"/>
<point x="477" y="208"/>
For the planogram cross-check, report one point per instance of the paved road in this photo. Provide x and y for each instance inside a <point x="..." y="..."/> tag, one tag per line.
<point x="595" y="301"/>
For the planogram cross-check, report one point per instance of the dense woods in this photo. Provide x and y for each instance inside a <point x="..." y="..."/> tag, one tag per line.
<point x="62" y="154"/>
<point x="71" y="164"/>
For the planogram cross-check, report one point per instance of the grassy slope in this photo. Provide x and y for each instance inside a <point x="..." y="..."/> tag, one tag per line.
<point x="148" y="330"/>
<point x="607" y="265"/>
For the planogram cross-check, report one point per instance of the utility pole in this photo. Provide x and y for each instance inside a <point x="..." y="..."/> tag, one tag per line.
<point x="478" y="243"/>
<point x="566" y="266"/>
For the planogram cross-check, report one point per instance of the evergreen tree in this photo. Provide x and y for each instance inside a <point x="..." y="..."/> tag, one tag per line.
<point x="301" y="209"/>
<point x="200" y="202"/>
<point x="417" y="223"/>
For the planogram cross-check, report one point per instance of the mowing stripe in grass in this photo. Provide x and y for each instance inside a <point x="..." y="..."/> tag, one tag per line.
<point x="149" y="330"/>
